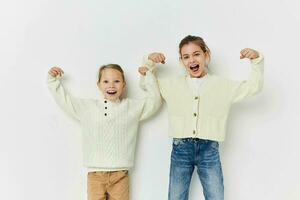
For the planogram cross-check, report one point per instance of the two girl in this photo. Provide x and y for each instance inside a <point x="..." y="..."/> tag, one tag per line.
<point x="109" y="128"/>
<point x="198" y="107"/>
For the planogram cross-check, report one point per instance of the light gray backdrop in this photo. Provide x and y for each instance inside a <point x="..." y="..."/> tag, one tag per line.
<point x="40" y="150"/>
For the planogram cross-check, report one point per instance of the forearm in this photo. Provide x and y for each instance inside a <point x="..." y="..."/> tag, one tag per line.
<point x="254" y="83"/>
<point x="153" y="99"/>
<point x="63" y="98"/>
<point x="148" y="63"/>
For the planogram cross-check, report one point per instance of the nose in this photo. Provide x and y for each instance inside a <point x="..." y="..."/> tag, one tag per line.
<point x="191" y="59"/>
<point x="111" y="84"/>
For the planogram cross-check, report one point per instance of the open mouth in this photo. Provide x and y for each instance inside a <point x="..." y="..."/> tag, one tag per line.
<point x="194" y="68"/>
<point x="111" y="92"/>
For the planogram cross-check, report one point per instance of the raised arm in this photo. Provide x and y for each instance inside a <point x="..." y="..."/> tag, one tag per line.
<point x="62" y="98"/>
<point x="153" y="99"/>
<point x="150" y="60"/>
<point x="254" y="83"/>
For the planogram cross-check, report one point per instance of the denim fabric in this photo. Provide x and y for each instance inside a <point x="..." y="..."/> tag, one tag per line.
<point x="204" y="154"/>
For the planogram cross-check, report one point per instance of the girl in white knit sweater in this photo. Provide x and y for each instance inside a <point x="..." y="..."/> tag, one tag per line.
<point x="109" y="128"/>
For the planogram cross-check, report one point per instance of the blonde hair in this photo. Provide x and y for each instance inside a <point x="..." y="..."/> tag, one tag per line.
<point x="110" y="66"/>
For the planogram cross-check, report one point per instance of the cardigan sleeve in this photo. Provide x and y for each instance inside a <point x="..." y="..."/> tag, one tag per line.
<point x="153" y="100"/>
<point x="254" y="84"/>
<point x="152" y="68"/>
<point x="68" y="103"/>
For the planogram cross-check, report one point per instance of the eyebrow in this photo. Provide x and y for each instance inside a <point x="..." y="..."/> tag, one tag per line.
<point x="192" y="53"/>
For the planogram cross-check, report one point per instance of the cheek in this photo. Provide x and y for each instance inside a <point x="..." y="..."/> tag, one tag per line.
<point x="201" y="60"/>
<point x="185" y="64"/>
<point x="120" y="88"/>
<point x="101" y="88"/>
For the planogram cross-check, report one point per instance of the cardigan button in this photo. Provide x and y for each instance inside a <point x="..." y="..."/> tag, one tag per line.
<point x="105" y="114"/>
<point x="195" y="114"/>
<point x="196" y="98"/>
<point x="194" y="132"/>
<point x="105" y="107"/>
<point x="105" y="101"/>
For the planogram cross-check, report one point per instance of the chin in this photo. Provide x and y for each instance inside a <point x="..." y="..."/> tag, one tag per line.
<point x="199" y="74"/>
<point x="195" y="75"/>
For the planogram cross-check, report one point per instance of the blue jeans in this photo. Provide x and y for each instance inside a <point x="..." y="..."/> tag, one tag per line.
<point x="204" y="154"/>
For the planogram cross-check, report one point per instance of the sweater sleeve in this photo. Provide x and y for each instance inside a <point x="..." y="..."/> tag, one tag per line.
<point x="254" y="84"/>
<point x="153" y="101"/>
<point x="163" y="83"/>
<point x="68" y="103"/>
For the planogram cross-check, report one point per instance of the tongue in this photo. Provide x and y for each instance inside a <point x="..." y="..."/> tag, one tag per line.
<point x="194" y="69"/>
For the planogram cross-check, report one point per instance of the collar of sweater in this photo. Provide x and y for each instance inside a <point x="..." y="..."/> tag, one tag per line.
<point x="109" y="102"/>
<point x="197" y="85"/>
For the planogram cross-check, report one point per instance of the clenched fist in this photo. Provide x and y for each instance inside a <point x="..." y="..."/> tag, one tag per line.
<point x="248" y="53"/>
<point x="157" y="57"/>
<point x="55" y="71"/>
<point x="143" y="70"/>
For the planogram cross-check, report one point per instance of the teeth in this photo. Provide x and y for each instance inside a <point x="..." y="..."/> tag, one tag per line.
<point x="111" y="92"/>
<point x="194" y="67"/>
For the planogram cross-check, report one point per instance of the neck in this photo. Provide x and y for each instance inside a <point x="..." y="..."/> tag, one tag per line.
<point x="113" y="101"/>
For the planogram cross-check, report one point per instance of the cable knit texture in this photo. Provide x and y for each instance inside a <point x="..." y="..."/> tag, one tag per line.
<point x="109" y="129"/>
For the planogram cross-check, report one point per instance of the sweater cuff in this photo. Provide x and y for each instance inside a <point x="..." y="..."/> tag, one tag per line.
<point x="258" y="59"/>
<point x="148" y="63"/>
<point x="52" y="78"/>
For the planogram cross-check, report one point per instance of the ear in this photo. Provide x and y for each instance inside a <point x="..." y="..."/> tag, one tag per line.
<point x="206" y="55"/>
<point x="207" y="58"/>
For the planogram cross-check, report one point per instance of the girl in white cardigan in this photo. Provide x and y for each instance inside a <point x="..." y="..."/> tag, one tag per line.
<point x="109" y="128"/>
<point x="198" y="106"/>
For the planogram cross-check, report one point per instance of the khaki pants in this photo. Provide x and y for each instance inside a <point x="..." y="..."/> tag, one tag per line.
<point x="108" y="185"/>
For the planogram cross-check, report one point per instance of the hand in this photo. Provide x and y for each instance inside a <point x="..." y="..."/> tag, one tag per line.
<point x="143" y="70"/>
<point x="157" y="57"/>
<point x="248" y="53"/>
<point x="55" y="71"/>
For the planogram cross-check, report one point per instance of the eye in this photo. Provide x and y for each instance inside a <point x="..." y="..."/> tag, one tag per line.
<point x="185" y="57"/>
<point x="197" y="54"/>
<point x="117" y="81"/>
<point x="105" y="81"/>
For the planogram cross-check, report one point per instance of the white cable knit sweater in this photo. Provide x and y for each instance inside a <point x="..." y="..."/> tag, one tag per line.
<point x="109" y="130"/>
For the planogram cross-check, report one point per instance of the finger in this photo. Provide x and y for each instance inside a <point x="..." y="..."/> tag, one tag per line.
<point x="143" y="68"/>
<point x="244" y="51"/>
<point x="157" y="59"/>
<point x="248" y="54"/>
<point x="252" y="55"/>
<point x="142" y="72"/>
<point x="162" y="58"/>
<point x="55" y="71"/>
<point x="51" y="73"/>
<point x="59" y="70"/>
